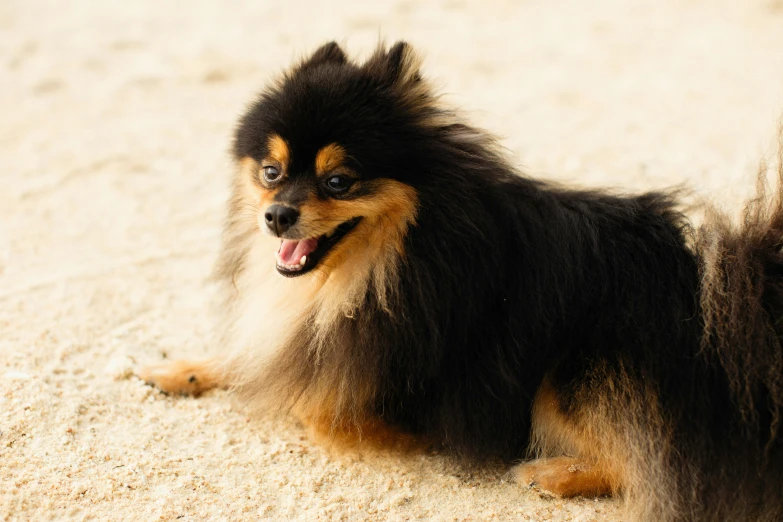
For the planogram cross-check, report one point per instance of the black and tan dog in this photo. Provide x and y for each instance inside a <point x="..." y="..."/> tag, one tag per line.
<point x="390" y="276"/>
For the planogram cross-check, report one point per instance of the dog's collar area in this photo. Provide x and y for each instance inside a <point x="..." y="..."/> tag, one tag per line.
<point x="297" y="257"/>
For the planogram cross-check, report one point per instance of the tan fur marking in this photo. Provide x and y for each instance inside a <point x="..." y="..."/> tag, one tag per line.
<point x="551" y="425"/>
<point x="385" y="214"/>
<point x="184" y="377"/>
<point x="279" y="150"/>
<point x="265" y="199"/>
<point x="565" y="477"/>
<point x="584" y="463"/>
<point x="329" y="158"/>
<point x="370" y="435"/>
<point x="369" y="255"/>
<point x="250" y="191"/>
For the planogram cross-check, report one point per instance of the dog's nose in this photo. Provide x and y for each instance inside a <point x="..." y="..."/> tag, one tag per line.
<point x="280" y="218"/>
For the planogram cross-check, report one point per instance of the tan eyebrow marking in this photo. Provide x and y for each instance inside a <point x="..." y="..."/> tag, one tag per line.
<point x="278" y="150"/>
<point x="329" y="158"/>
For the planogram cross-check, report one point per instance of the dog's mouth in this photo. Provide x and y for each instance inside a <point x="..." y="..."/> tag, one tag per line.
<point x="296" y="257"/>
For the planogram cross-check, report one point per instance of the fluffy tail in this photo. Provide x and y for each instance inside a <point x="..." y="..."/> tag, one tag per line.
<point x="742" y="309"/>
<point x="742" y="299"/>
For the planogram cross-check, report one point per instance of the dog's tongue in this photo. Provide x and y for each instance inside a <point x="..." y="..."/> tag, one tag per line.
<point x="292" y="251"/>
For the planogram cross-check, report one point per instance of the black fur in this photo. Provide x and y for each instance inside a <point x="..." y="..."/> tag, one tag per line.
<point x="507" y="281"/>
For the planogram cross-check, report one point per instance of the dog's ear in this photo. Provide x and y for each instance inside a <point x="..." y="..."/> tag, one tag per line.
<point x="399" y="66"/>
<point x="327" y="53"/>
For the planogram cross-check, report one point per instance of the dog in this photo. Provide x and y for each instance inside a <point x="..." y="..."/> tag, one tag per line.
<point x="391" y="278"/>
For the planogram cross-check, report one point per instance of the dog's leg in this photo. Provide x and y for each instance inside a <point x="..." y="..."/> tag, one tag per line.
<point x="184" y="377"/>
<point x="579" y="455"/>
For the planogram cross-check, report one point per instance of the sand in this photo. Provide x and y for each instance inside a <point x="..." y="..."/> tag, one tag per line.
<point x="116" y="121"/>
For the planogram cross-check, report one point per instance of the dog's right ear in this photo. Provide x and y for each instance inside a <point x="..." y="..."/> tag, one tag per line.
<point x="327" y="53"/>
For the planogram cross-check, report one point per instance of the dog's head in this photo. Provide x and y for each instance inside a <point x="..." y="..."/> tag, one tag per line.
<point x="326" y="157"/>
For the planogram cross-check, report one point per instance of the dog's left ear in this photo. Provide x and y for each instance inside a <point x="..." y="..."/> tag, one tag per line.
<point x="327" y="53"/>
<point x="399" y="66"/>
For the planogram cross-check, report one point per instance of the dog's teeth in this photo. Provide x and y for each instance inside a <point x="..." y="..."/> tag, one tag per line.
<point x="303" y="260"/>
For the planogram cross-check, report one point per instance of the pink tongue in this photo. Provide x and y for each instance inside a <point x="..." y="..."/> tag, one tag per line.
<point x="292" y="251"/>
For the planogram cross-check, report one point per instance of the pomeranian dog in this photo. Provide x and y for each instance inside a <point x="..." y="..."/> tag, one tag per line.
<point x="390" y="278"/>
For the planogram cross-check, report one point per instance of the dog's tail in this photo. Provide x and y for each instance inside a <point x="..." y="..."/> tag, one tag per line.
<point x="741" y="301"/>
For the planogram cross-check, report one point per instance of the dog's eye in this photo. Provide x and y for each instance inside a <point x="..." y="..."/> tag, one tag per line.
<point x="338" y="184"/>
<point x="271" y="173"/>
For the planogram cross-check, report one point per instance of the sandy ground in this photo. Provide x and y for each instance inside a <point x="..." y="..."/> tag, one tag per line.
<point x="116" y="118"/>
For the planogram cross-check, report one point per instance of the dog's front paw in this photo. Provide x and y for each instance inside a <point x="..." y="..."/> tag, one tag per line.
<point x="181" y="377"/>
